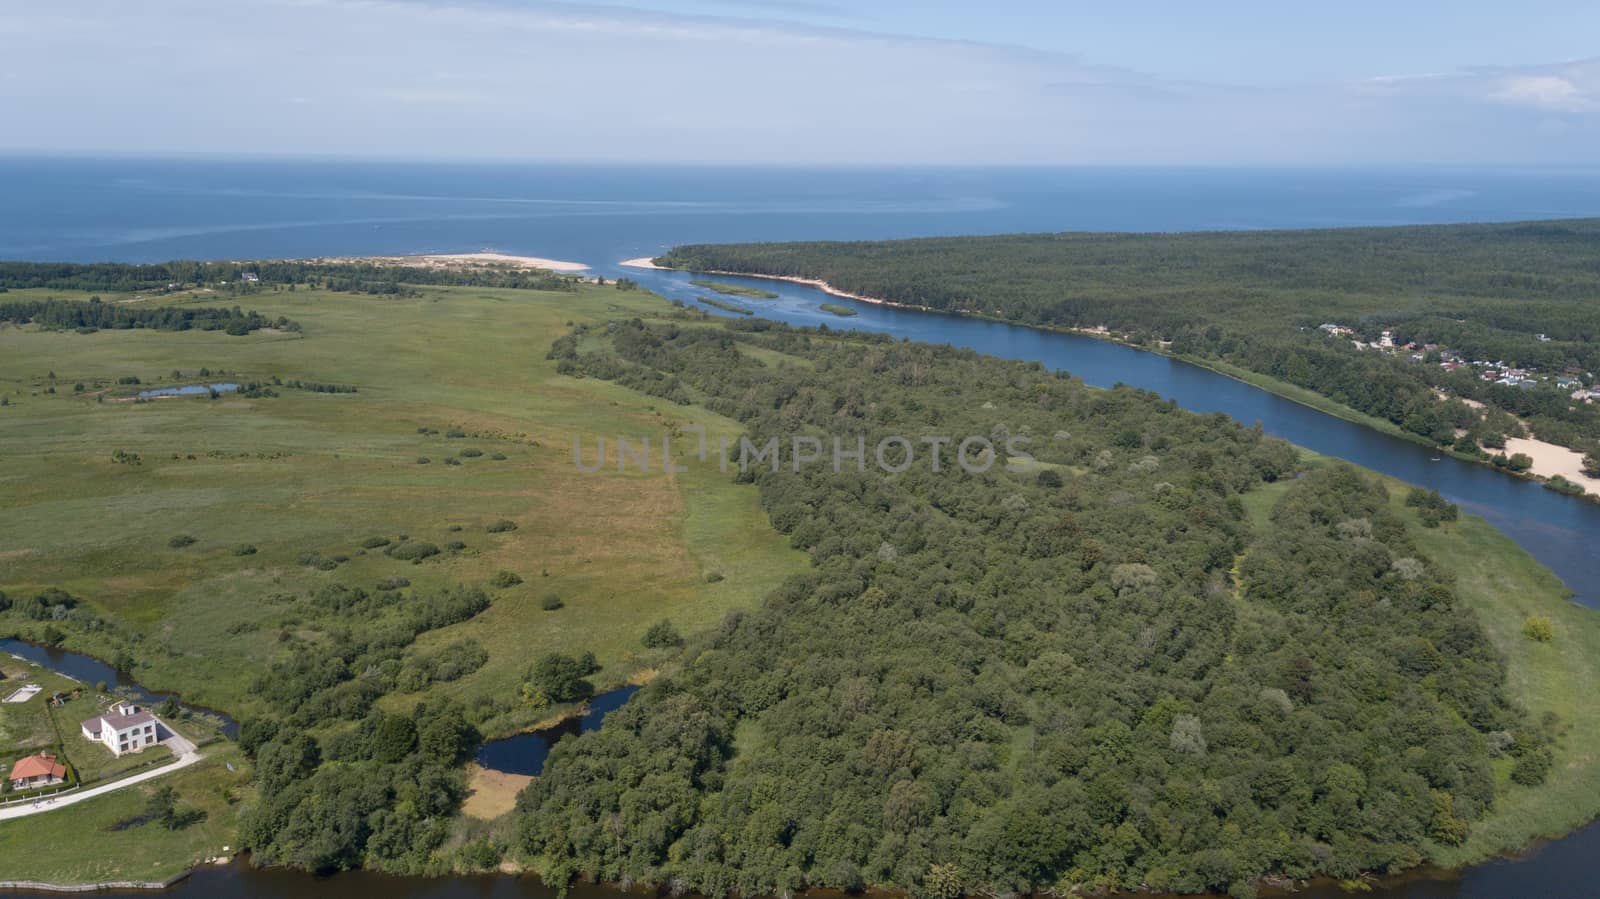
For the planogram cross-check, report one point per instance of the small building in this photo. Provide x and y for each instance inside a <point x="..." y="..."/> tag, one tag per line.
<point x="249" y="277"/>
<point x="40" y="770"/>
<point x="123" y="728"/>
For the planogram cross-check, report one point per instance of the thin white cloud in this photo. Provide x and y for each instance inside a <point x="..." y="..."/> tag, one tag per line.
<point x="1546" y="92"/>
<point x="561" y="81"/>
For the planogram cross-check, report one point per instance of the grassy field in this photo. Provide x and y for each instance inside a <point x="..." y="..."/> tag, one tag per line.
<point x="93" y="841"/>
<point x="25" y="727"/>
<point x="836" y="309"/>
<point x="320" y="472"/>
<point x="1504" y="585"/>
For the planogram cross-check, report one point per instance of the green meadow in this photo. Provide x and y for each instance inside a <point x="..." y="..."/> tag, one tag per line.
<point x="310" y="474"/>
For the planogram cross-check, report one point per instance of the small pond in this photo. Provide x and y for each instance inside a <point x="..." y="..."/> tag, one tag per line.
<point x="188" y="390"/>
<point x="525" y="753"/>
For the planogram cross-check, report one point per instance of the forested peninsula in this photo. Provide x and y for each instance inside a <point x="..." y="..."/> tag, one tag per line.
<point x="1096" y="668"/>
<point x="1457" y="335"/>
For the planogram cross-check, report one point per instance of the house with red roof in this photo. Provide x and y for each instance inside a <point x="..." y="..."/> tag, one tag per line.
<point x="40" y="770"/>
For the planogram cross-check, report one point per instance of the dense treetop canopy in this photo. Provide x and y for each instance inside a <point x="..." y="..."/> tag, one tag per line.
<point x="1003" y="681"/>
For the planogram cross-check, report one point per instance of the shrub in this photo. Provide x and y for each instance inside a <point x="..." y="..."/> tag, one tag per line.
<point x="505" y="579"/>
<point x="393" y="583"/>
<point x="180" y="541"/>
<point x="550" y="602"/>
<point x="1533" y="767"/>
<point x="455" y="433"/>
<point x="501" y="526"/>
<point x="1539" y="629"/>
<point x="1561" y="485"/>
<point x="244" y="549"/>
<point x="560" y="678"/>
<point x="314" y="559"/>
<point x="455" y="546"/>
<point x="498" y="457"/>
<point x="471" y="453"/>
<point x="412" y="552"/>
<point x="1049" y="478"/>
<point x="713" y="577"/>
<point x="662" y="635"/>
<point x="423" y="460"/>
<point x="452" y="461"/>
<point x="374" y="542"/>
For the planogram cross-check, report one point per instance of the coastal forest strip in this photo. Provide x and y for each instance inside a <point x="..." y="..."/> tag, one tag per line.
<point x="1459" y="335"/>
<point x="1104" y="666"/>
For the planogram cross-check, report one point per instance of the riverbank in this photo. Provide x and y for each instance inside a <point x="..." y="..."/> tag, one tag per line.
<point x="1550" y="460"/>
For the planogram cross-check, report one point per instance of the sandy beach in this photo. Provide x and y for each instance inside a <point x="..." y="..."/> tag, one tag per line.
<point x="643" y="262"/>
<point x="1550" y="459"/>
<point x="465" y="260"/>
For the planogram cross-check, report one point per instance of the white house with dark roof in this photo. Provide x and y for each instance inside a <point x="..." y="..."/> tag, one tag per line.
<point x="123" y="728"/>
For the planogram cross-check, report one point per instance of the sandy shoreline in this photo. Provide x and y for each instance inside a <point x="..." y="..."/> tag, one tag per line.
<point x="462" y="260"/>
<point x="644" y="262"/>
<point x="1550" y="459"/>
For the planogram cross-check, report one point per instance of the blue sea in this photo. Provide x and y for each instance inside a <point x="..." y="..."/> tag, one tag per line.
<point x="144" y="210"/>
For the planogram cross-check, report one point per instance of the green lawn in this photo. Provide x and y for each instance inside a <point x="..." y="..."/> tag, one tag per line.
<point x="80" y="844"/>
<point x="25" y="726"/>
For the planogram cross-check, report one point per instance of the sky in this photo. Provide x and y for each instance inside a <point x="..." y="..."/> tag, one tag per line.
<point x="810" y="82"/>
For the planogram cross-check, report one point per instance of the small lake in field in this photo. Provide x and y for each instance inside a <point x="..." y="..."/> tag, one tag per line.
<point x="526" y="753"/>
<point x="188" y="390"/>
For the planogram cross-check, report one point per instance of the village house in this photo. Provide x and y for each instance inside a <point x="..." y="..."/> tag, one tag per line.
<point x="40" y="770"/>
<point x="123" y="728"/>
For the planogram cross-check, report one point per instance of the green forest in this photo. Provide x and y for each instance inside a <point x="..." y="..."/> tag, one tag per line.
<point x="351" y="276"/>
<point x="93" y="315"/>
<point x="1085" y="669"/>
<point x="1255" y="300"/>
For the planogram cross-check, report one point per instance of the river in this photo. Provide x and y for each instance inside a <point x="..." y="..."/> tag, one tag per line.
<point x="1560" y="531"/>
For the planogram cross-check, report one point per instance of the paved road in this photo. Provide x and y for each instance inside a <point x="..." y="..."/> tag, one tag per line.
<point x="183" y="749"/>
